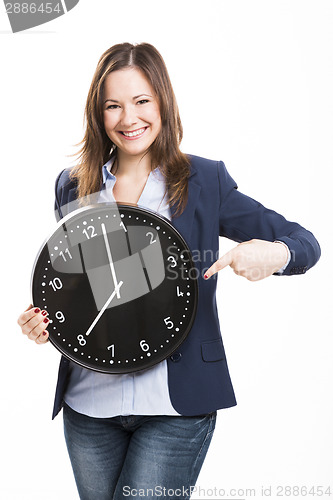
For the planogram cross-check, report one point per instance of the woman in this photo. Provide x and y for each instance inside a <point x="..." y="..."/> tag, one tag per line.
<point x="150" y="430"/>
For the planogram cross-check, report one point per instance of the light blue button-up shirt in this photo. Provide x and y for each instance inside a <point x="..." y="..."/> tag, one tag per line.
<point x="141" y="393"/>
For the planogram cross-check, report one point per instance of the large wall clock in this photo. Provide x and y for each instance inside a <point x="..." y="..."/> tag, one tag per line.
<point x="118" y="284"/>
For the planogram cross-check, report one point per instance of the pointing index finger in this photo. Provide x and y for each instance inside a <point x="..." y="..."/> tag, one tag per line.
<point x="220" y="264"/>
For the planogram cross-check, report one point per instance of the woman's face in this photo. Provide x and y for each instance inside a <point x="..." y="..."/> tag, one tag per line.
<point x="131" y="112"/>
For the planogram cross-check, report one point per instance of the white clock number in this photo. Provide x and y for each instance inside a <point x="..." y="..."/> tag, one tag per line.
<point x="56" y="284"/>
<point x="91" y="233"/>
<point x="151" y="237"/>
<point x="144" y="346"/>
<point x="172" y="260"/>
<point x="60" y="316"/>
<point x="64" y="256"/>
<point x="168" y="322"/>
<point x="82" y="340"/>
<point x="111" y="348"/>
<point x="179" y="293"/>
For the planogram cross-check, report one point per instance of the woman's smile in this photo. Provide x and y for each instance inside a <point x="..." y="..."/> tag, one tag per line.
<point x="133" y="134"/>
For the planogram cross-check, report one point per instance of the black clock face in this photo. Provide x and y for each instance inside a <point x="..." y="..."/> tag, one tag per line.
<point x="116" y="281"/>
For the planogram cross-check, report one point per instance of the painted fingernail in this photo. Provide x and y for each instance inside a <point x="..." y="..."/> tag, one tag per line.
<point x="206" y="276"/>
<point x="44" y="333"/>
<point x="44" y="313"/>
<point x="46" y="320"/>
<point x="37" y="310"/>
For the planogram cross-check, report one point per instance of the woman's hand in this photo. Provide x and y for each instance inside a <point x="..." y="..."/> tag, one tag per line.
<point x="254" y="259"/>
<point x="33" y="323"/>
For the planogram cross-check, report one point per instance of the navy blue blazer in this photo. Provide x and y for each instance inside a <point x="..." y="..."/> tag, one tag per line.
<point x="198" y="376"/>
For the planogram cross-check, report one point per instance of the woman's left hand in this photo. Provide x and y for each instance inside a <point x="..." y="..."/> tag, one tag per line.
<point x="254" y="259"/>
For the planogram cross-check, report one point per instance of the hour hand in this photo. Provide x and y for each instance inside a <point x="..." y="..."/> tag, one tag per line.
<point x="116" y="290"/>
<point x="108" y="251"/>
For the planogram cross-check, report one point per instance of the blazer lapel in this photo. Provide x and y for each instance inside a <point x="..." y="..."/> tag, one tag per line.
<point x="183" y="223"/>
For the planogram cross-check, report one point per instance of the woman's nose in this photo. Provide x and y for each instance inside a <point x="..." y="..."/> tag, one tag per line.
<point x="128" y="117"/>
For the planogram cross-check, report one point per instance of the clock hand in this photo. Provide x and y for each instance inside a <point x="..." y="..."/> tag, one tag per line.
<point x="108" y="251"/>
<point x="103" y="308"/>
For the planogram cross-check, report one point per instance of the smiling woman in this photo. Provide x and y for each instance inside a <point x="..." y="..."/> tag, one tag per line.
<point x="152" y="428"/>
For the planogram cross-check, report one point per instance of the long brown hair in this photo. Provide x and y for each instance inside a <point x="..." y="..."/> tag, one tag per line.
<point x="165" y="152"/>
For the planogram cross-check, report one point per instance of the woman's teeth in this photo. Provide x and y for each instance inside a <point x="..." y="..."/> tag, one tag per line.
<point x="134" y="133"/>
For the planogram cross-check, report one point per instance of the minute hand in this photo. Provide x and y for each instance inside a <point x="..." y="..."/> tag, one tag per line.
<point x="116" y="290"/>
<point x="108" y="251"/>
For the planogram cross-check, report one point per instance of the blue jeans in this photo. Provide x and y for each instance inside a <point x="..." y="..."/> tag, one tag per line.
<point x="136" y="456"/>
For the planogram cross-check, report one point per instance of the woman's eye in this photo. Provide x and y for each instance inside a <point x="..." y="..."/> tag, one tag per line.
<point x="143" y="101"/>
<point x="112" y="106"/>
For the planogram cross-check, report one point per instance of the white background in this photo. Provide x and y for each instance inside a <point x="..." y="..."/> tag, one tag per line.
<point x="254" y="84"/>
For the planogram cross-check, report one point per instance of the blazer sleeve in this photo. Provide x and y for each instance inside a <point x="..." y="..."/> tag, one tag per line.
<point x="242" y="218"/>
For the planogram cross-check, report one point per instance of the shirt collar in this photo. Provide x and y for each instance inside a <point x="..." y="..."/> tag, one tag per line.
<point x="106" y="171"/>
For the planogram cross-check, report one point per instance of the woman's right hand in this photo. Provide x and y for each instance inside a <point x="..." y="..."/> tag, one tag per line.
<point x="33" y="322"/>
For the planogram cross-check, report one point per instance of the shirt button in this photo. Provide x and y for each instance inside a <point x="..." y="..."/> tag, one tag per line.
<point x="175" y="357"/>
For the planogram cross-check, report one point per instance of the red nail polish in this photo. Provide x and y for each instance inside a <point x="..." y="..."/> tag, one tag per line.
<point x="37" y="310"/>
<point x="46" y="320"/>
<point x="44" y="333"/>
<point x="44" y="313"/>
<point x="206" y="276"/>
